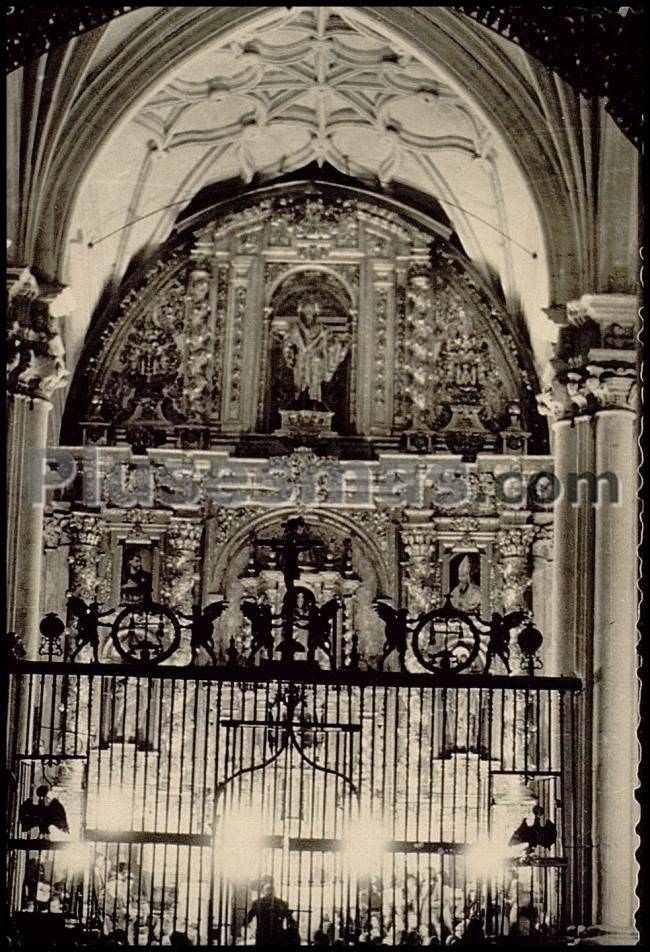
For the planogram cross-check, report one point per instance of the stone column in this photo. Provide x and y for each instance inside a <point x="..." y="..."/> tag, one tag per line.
<point x="35" y="369"/>
<point x="592" y="398"/>
<point x="615" y="660"/>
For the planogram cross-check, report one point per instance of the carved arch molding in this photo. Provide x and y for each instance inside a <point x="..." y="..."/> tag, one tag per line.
<point x="600" y="50"/>
<point x="185" y="360"/>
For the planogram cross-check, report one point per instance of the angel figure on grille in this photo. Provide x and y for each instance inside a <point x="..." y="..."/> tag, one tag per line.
<point x="262" y="620"/>
<point x="202" y="622"/>
<point x="499" y="638"/>
<point x="397" y="627"/>
<point x="88" y="618"/>
<point x="319" y="627"/>
<point x="40" y="813"/>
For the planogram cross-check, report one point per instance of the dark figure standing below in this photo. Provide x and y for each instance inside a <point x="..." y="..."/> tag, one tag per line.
<point x="271" y="913"/>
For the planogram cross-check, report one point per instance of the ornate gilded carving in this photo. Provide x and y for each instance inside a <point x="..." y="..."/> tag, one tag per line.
<point x="86" y="534"/>
<point x="421" y="352"/>
<point x="421" y="571"/>
<point x="447" y="372"/>
<point x="55" y="530"/>
<point x="512" y="570"/>
<point x="437" y="352"/>
<point x="466" y="527"/>
<point x="236" y="351"/>
<point x="226" y="522"/>
<point x="180" y="574"/>
<point x="378" y="524"/>
<point x="197" y="346"/>
<point x="380" y="361"/>
<point x="144" y="383"/>
<point x="315" y="226"/>
<point x="305" y="476"/>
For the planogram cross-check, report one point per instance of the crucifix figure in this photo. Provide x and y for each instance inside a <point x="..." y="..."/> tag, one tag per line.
<point x="295" y="539"/>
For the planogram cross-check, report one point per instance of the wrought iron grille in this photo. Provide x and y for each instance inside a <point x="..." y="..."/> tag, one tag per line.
<point x="347" y="805"/>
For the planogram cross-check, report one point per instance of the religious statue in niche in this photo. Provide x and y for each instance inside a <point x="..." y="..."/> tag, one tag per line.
<point x="312" y="352"/>
<point x="309" y="355"/>
<point x="137" y="576"/>
<point x="464" y="582"/>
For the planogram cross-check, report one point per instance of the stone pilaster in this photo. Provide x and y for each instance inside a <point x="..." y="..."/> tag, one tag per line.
<point x="615" y="663"/>
<point x="592" y="400"/>
<point x="35" y="369"/>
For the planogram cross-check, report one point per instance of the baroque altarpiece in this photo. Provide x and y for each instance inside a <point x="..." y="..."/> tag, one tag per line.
<point x="309" y="531"/>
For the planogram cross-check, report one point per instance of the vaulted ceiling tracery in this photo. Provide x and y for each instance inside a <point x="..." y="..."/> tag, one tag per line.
<point x="150" y="109"/>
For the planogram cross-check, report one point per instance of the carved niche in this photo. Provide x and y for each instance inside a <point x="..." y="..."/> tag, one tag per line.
<point x="308" y="348"/>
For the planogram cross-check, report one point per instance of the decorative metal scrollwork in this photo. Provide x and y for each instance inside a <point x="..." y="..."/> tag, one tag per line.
<point x="146" y="634"/>
<point x="446" y="639"/>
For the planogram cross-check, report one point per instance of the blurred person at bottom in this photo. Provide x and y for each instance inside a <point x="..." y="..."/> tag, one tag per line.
<point x="273" y="916"/>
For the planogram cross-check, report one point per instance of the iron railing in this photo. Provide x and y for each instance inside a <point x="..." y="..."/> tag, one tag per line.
<point x="383" y="806"/>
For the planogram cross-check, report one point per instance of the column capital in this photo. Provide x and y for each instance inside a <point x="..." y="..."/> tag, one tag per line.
<point x="593" y="366"/>
<point x="606" y="310"/>
<point x="35" y="351"/>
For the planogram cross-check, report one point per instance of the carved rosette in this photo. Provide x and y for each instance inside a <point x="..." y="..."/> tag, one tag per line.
<point x="180" y="575"/>
<point x="512" y="570"/>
